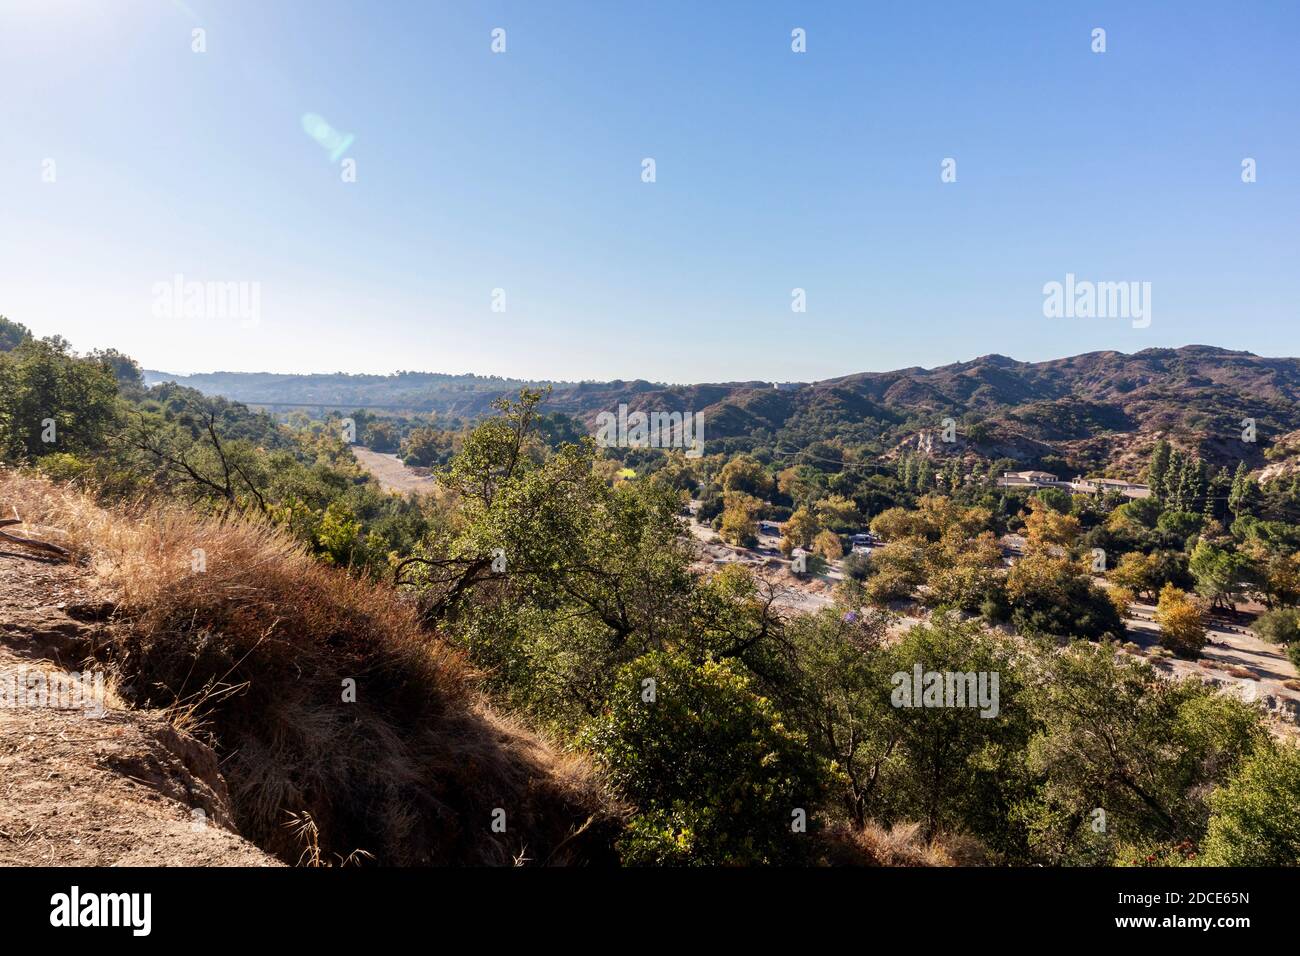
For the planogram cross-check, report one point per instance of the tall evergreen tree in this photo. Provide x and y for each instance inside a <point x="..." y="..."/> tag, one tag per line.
<point x="924" y="475"/>
<point x="1216" y="490"/>
<point x="1158" y="469"/>
<point x="1242" y="495"/>
<point x="1171" y="481"/>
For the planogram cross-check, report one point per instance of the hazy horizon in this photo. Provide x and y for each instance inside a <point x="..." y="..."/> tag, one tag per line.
<point x="632" y="378"/>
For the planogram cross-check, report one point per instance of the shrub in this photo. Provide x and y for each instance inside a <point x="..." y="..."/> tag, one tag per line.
<point x="1279" y="626"/>
<point x="714" y="771"/>
<point x="1256" y="816"/>
<point x="994" y="607"/>
<point x="63" y="466"/>
<point x="856" y="566"/>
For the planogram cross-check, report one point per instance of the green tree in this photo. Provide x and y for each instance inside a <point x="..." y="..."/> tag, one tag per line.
<point x="960" y="766"/>
<point x="1220" y="575"/>
<point x="1158" y="468"/>
<point x="338" y="534"/>
<point x="1053" y="595"/>
<point x="1279" y="626"/>
<point x="716" y="774"/>
<point x="1256" y="815"/>
<point x="838" y="694"/>
<point x="1242" y="497"/>
<point x="53" y="401"/>
<point x="1116" y="736"/>
<point x="427" y="447"/>
<point x="12" y="334"/>
<point x="551" y="577"/>
<point x="130" y="379"/>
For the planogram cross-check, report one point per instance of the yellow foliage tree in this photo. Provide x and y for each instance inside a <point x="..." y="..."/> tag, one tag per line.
<point x="893" y="524"/>
<point x="796" y="482"/>
<point x="827" y="544"/>
<point x="746" y="474"/>
<point x="1046" y="527"/>
<point x="1182" y="621"/>
<point x="1135" y="572"/>
<point x="739" y="512"/>
<point x="799" y="530"/>
<point x="838" y="513"/>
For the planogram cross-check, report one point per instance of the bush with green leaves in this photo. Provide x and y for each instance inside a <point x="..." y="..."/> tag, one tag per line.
<point x="716" y="773"/>
<point x="12" y="334"/>
<point x="1279" y="626"/>
<point x="1256" y="816"/>
<point x="52" y="400"/>
<point x="958" y="768"/>
<point x="1116" y="736"/>
<point x="856" y="566"/>
<point x="1053" y="595"/>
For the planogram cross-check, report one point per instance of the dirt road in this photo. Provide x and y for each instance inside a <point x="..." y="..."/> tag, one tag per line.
<point x="1234" y="658"/>
<point x="391" y="473"/>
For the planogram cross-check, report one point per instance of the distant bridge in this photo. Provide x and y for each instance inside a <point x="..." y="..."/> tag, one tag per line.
<point x="332" y="405"/>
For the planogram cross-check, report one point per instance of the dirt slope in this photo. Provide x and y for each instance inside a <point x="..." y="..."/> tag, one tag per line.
<point x="324" y="696"/>
<point x="121" y="789"/>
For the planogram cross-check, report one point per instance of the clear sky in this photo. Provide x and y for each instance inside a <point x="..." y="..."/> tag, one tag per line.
<point x="522" y="171"/>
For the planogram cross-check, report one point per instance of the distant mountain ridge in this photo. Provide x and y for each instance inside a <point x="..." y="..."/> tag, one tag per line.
<point x="1096" y="406"/>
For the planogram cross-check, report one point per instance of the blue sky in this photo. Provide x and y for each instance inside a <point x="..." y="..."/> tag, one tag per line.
<point x="522" y="171"/>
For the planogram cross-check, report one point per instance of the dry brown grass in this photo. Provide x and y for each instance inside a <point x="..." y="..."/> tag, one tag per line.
<point x="900" y="845"/>
<point x="253" y="654"/>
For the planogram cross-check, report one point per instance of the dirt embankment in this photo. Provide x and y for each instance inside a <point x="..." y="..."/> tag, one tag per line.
<point x="83" y="780"/>
<point x="342" y="727"/>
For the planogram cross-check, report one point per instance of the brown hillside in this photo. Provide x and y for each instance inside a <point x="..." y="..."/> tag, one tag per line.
<point x="251" y="656"/>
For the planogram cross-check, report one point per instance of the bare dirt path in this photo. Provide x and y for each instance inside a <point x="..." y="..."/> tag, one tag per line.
<point x="1260" y="668"/>
<point x="390" y="471"/>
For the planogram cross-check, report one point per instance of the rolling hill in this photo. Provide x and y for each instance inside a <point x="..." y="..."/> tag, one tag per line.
<point x="1098" y="409"/>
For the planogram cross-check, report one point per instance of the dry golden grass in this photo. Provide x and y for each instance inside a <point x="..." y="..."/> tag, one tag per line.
<point x="900" y="845"/>
<point x="253" y="653"/>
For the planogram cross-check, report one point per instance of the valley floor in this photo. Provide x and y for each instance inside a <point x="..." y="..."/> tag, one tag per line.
<point x="390" y="471"/>
<point x="1234" y="658"/>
